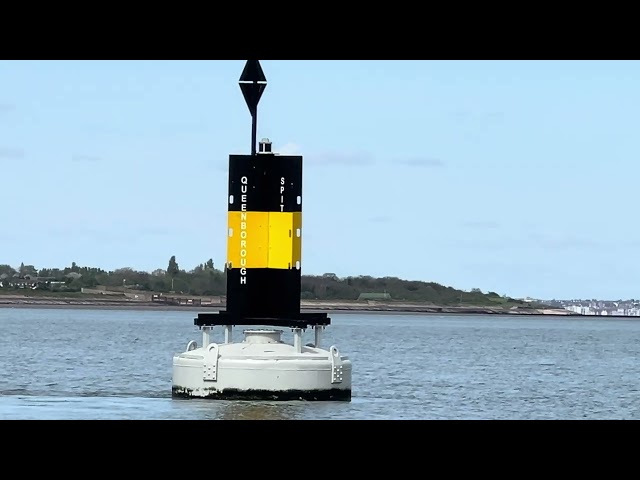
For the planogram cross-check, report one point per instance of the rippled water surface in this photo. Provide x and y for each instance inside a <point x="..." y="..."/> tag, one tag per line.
<point x="110" y="364"/>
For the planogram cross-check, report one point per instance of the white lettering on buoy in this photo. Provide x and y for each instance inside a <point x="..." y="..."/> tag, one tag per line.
<point x="244" y="188"/>
<point x="281" y="194"/>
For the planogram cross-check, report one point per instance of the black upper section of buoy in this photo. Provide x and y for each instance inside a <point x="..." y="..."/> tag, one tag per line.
<point x="263" y="188"/>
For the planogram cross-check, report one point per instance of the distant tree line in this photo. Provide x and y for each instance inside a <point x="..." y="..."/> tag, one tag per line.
<point x="206" y="280"/>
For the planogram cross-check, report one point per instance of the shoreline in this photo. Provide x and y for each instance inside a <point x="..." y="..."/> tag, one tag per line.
<point x="339" y="307"/>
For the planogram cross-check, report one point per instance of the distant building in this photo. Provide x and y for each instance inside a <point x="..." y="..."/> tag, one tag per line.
<point x="28" y="281"/>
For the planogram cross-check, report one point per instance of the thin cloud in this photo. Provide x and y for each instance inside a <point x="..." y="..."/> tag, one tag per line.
<point x="481" y="225"/>
<point x="288" y="149"/>
<point x="422" y="162"/>
<point x="380" y="219"/>
<point x="465" y="115"/>
<point x="86" y="159"/>
<point x="11" y="153"/>
<point x="327" y="158"/>
<point x="355" y="159"/>
<point x="495" y="116"/>
<point x="548" y="242"/>
<point x="481" y="244"/>
<point x="562" y="242"/>
<point x="115" y="233"/>
<point x="154" y="231"/>
<point x="66" y="231"/>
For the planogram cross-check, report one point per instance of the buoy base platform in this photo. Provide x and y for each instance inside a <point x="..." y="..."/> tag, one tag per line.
<point x="262" y="367"/>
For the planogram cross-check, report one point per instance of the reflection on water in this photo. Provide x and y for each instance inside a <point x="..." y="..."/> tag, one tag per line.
<point x="240" y="410"/>
<point x="265" y="410"/>
<point x="258" y="411"/>
<point x="84" y="364"/>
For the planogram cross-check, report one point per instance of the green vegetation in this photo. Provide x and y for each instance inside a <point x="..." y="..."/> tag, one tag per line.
<point x="205" y="280"/>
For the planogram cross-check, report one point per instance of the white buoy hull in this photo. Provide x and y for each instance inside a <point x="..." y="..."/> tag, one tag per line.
<point x="261" y="370"/>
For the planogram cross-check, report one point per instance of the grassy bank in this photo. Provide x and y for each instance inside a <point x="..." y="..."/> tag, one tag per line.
<point x="207" y="281"/>
<point x="101" y="302"/>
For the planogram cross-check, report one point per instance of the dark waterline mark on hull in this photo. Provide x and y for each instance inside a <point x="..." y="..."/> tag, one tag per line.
<point x="333" y="395"/>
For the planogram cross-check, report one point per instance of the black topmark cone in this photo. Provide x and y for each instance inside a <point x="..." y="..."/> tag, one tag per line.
<point x="253" y="83"/>
<point x="264" y="244"/>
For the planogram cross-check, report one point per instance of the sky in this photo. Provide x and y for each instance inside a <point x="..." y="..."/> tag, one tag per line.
<point x="518" y="177"/>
